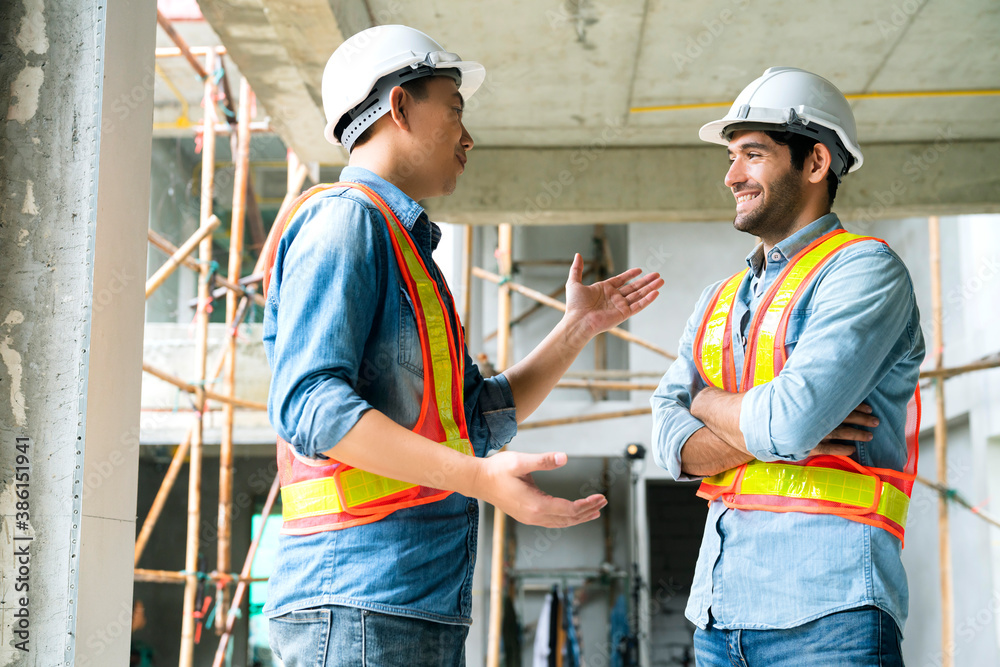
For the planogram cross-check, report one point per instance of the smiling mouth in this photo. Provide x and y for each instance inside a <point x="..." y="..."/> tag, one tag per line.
<point x="741" y="199"/>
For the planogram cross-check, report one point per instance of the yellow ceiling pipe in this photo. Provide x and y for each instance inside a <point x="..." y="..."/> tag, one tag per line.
<point x="855" y="96"/>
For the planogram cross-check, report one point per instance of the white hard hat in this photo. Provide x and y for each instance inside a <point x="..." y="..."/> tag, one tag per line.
<point x="357" y="77"/>
<point x="792" y="99"/>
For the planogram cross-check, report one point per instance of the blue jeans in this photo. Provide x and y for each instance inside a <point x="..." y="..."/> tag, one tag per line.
<point x="349" y="637"/>
<point x="858" y="637"/>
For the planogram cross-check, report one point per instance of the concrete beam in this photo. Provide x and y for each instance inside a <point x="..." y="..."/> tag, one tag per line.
<point x="599" y="184"/>
<point x="281" y="46"/>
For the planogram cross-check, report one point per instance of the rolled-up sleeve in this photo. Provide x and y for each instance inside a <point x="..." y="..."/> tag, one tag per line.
<point x="861" y="311"/>
<point x="489" y="409"/>
<point x="326" y="272"/>
<point x="673" y="423"/>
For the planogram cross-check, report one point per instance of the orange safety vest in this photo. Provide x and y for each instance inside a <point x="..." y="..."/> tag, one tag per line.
<point x="320" y="495"/>
<point x="825" y="484"/>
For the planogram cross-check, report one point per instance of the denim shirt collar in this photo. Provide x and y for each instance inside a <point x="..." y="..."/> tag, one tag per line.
<point x="791" y="246"/>
<point x="409" y="212"/>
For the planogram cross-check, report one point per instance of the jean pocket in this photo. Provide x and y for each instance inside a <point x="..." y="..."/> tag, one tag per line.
<point x="301" y="638"/>
<point x="410" y="355"/>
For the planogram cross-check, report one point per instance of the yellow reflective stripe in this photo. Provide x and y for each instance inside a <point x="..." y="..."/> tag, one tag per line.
<point x="814" y="483"/>
<point x="715" y="331"/>
<point x="437" y="333"/>
<point x="360" y="486"/>
<point x="315" y="497"/>
<point x="723" y="478"/>
<point x="768" y="328"/>
<point x="310" y="498"/>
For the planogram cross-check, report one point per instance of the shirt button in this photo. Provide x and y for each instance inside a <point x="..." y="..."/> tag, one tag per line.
<point x="775" y="256"/>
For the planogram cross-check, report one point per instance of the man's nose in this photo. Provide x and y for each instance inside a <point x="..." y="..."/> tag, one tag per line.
<point x="736" y="174"/>
<point x="467" y="142"/>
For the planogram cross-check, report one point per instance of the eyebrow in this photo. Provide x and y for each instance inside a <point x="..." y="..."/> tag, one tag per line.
<point x="750" y="145"/>
<point x="461" y="100"/>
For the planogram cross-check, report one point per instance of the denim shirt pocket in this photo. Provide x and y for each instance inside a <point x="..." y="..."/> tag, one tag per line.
<point x="796" y="326"/>
<point x="410" y="356"/>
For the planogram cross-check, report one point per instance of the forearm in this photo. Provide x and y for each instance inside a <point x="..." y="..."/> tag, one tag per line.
<point x="705" y="454"/>
<point x="534" y="377"/>
<point x="720" y="411"/>
<point x="381" y="446"/>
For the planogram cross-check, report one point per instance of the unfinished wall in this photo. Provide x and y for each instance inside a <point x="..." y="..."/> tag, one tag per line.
<point x="74" y="183"/>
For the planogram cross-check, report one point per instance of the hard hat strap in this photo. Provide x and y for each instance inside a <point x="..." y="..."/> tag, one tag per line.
<point x="377" y="103"/>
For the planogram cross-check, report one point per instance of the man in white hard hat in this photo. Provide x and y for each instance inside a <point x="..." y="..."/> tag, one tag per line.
<point x="793" y="402"/>
<point x="383" y="419"/>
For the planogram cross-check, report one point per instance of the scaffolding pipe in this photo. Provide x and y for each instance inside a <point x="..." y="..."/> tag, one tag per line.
<point x="185" y="50"/>
<point x="220" y="653"/>
<point x="197" y="389"/>
<point x="179" y="255"/>
<point x="161" y="496"/>
<point x="186" y="657"/>
<point x="174" y="52"/>
<point x="172" y="577"/>
<point x="237" y="226"/>
<point x="941" y="449"/>
<point x="580" y="419"/>
<point x="560" y="306"/>
<point x="466" y="274"/>
<point x="169" y="248"/>
<point x="605" y="385"/>
<point x="505" y="236"/>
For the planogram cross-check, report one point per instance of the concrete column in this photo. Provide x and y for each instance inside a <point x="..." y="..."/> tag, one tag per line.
<point x="76" y="97"/>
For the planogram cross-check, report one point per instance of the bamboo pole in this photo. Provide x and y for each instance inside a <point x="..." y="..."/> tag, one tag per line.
<point x="174" y="52"/>
<point x="505" y="236"/>
<point x="186" y="657"/>
<point x="220" y="653"/>
<point x="941" y="450"/>
<point x="172" y="577"/>
<point x="240" y="180"/>
<point x="947" y="373"/>
<point x="580" y="419"/>
<point x="176" y="463"/>
<point x="179" y="255"/>
<point x="605" y="385"/>
<point x="535" y="307"/>
<point x="204" y="393"/>
<point x="559" y="305"/>
<point x="169" y="248"/>
<point x="612" y="374"/>
<point x="952" y="495"/>
<point x="602" y="260"/>
<point x="185" y="50"/>
<point x="467" y="274"/>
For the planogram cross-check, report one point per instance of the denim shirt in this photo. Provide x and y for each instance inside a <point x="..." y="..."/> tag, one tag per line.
<point x="854" y="337"/>
<point x="341" y="339"/>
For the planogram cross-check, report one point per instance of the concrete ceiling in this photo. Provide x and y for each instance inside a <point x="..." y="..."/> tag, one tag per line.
<point x="564" y="74"/>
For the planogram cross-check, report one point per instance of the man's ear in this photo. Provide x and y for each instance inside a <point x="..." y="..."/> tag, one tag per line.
<point x="818" y="163"/>
<point x="399" y="106"/>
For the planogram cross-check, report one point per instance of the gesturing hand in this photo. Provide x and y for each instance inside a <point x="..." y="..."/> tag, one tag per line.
<point x="608" y="303"/>
<point x="832" y="444"/>
<point x="507" y="484"/>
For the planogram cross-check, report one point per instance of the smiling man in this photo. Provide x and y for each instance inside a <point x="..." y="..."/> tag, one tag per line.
<point x="793" y="402"/>
<point x="384" y="421"/>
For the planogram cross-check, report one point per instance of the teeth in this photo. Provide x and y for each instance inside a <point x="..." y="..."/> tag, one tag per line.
<point x="743" y="198"/>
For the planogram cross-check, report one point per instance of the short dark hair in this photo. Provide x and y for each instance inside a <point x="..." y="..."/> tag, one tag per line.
<point x="415" y="87"/>
<point x="800" y="148"/>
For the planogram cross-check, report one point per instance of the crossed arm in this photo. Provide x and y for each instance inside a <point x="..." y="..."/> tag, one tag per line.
<point x="720" y="445"/>
<point x="859" y="314"/>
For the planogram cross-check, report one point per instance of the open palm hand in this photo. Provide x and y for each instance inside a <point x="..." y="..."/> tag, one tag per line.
<point x="608" y="303"/>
